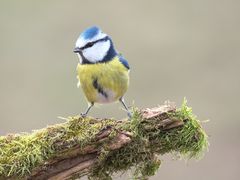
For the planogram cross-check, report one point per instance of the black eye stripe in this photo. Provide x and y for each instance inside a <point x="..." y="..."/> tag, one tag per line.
<point x="90" y="44"/>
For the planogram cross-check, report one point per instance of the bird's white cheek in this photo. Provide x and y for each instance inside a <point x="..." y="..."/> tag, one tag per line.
<point x="97" y="52"/>
<point x="80" y="58"/>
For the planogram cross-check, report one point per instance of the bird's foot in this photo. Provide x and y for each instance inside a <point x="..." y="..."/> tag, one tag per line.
<point x="83" y="115"/>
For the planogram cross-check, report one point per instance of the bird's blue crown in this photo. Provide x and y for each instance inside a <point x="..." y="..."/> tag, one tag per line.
<point x="89" y="33"/>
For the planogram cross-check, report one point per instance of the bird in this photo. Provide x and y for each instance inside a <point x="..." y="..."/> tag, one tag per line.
<point x="102" y="72"/>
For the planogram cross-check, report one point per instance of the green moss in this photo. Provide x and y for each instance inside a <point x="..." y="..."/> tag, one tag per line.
<point x="189" y="141"/>
<point x="20" y="154"/>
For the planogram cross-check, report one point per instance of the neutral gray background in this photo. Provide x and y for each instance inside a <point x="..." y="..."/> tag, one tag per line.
<point x="176" y="49"/>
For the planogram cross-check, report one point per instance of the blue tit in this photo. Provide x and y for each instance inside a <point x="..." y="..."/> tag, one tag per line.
<point x="102" y="72"/>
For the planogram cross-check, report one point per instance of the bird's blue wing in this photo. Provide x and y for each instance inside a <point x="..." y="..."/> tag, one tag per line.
<point x="124" y="62"/>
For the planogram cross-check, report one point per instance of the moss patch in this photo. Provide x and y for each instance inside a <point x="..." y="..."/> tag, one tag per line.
<point x="20" y="153"/>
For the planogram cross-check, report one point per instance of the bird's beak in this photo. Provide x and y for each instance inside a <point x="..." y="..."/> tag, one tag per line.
<point x="76" y="50"/>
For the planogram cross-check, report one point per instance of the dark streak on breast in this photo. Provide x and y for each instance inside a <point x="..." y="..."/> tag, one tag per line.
<point x="99" y="88"/>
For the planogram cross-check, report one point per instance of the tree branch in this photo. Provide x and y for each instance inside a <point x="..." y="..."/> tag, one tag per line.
<point x="100" y="147"/>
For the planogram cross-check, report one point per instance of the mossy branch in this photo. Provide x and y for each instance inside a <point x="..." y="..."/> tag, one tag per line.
<point x="101" y="147"/>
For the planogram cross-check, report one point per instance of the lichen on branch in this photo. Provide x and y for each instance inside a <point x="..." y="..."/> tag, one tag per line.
<point x="100" y="148"/>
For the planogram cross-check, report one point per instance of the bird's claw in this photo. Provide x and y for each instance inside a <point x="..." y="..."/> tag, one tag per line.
<point x="83" y="115"/>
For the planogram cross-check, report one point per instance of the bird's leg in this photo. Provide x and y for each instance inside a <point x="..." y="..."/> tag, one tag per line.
<point x="124" y="105"/>
<point x="88" y="109"/>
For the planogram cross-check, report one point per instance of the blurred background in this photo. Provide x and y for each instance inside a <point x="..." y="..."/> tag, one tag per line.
<point x="176" y="49"/>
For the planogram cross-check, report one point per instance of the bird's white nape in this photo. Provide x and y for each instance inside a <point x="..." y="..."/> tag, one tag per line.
<point x="97" y="52"/>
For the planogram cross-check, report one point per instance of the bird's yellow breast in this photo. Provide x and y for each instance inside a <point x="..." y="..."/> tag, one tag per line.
<point x="103" y="82"/>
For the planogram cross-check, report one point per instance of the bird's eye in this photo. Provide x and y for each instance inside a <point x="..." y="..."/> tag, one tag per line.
<point x="88" y="45"/>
